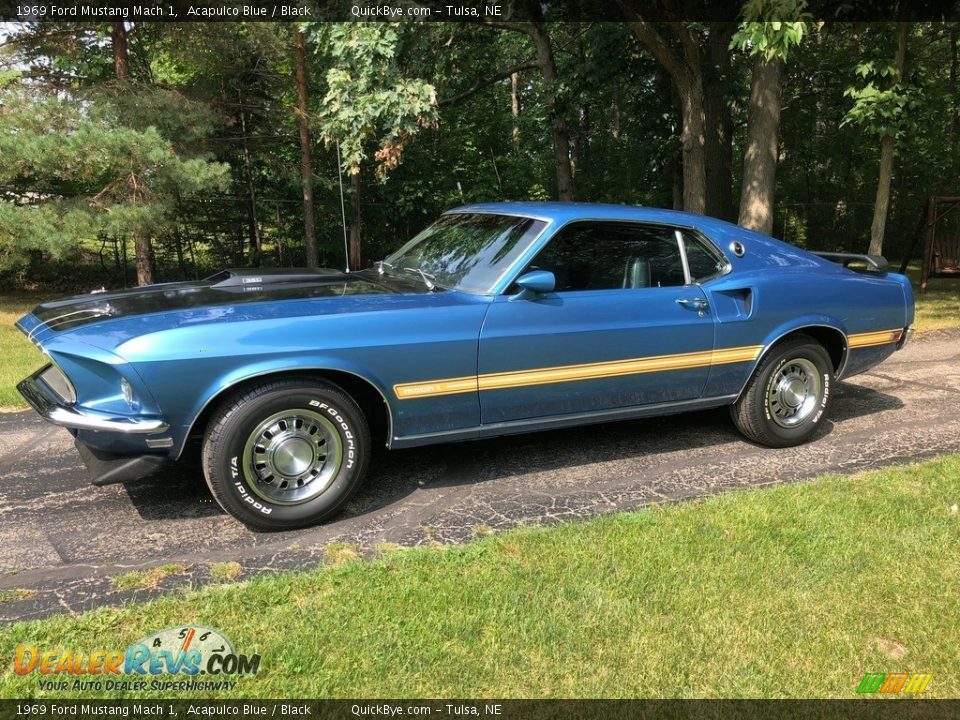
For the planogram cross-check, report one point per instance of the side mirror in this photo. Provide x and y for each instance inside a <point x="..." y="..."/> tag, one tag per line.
<point x="534" y="283"/>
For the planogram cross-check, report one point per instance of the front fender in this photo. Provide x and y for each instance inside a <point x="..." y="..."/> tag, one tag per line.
<point x="220" y="386"/>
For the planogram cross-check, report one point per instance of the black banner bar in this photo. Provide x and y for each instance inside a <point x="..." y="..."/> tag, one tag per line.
<point x="79" y="709"/>
<point x="453" y="11"/>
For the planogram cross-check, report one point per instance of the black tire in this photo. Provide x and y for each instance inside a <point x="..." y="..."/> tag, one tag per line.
<point x="286" y="454"/>
<point x="797" y="370"/>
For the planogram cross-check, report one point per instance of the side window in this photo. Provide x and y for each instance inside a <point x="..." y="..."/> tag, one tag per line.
<point x="703" y="258"/>
<point x="605" y="256"/>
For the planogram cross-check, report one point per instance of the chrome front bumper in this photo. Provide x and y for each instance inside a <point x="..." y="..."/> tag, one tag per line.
<point x="46" y="403"/>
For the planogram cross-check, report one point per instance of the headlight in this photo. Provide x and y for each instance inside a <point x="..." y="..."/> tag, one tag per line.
<point x="59" y="384"/>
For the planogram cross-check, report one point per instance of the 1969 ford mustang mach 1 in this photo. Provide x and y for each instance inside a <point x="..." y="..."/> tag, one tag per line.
<point x="498" y="318"/>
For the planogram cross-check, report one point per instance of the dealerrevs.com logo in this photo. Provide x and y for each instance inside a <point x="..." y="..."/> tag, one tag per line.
<point x="185" y="653"/>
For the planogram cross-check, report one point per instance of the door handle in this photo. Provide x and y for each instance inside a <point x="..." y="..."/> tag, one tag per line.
<point x="698" y="304"/>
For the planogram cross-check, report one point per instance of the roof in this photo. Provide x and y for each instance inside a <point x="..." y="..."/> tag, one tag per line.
<point x="566" y="211"/>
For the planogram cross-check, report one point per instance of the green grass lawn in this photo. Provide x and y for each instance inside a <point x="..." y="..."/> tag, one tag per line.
<point x="19" y="357"/>
<point x="792" y="591"/>
<point x="939" y="306"/>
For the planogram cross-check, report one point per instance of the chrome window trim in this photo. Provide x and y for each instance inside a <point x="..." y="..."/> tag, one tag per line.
<point x="678" y="234"/>
<point x="645" y="223"/>
<point x="726" y="269"/>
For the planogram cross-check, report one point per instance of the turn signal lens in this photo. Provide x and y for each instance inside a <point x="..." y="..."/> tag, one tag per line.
<point x="128" y="393"/>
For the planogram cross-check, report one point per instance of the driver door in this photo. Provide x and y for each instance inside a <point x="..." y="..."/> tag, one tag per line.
<point x="623" y="328"/>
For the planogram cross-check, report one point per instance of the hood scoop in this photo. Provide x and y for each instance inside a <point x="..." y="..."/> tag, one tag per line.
<point x="258" y="277"/>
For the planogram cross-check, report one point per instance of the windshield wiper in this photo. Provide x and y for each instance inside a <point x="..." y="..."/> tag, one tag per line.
<point x="427" y="278"/>
<point x="382" y="267"/>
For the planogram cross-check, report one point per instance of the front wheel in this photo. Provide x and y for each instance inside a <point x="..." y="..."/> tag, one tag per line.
<point x="788" y="394"/>
<point x="286" y="454"/>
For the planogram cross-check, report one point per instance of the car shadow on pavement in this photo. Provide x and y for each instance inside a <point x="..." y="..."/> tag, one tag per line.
<point x="396" y="474"/>
<point x="853" y="401"/>
<point x="179" y="490"/>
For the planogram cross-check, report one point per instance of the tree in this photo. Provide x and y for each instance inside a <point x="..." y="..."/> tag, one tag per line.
<point x="684" y="68"/>
<point x="768" y="38"/>
<point x="141" y="241"/>
<point x="881" y="206"/>
<point x="887" y="113"/>
<point x="718" y="120"/>
<point x="306" y="161"/>
<point x="544" y="60"/>
<point x="558" y="124"/>
<point x="74" y="172"/>
<point x="368" y="97"/>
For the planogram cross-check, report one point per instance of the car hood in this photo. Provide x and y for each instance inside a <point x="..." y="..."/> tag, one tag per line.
<point x="106" y="319"/>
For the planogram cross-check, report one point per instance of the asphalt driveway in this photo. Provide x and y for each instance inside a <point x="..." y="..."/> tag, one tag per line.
<point x="61" y="539"/>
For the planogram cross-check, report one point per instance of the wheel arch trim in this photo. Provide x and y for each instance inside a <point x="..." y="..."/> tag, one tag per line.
<point x="799" y="328"/>
<point x="312" y="369"/>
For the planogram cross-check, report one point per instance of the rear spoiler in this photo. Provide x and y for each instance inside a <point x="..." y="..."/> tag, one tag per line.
<point x="874" y="263"/>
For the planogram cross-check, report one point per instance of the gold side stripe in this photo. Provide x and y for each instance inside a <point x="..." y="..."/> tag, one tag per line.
<point x="453" y="386"/>
<point x="870" y="339"/>
<point x="570" y="373"/>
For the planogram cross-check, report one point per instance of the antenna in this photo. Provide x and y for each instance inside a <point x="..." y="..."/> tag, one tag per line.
<point x="343" y="212"/>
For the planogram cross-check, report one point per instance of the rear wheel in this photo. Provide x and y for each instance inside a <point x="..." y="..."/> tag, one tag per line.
<point x="286" y="454"/>
<point x="788" y="394"/>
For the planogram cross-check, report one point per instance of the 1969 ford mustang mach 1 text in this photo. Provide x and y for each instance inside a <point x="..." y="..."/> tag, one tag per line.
<point x="498" y="318"/>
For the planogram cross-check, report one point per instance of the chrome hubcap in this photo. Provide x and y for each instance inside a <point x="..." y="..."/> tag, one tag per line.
<point x="292" y="456"/>
<point x="795" y="392"/>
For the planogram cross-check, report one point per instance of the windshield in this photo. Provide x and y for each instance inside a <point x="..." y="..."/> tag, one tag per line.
<point x="467" y="251"/>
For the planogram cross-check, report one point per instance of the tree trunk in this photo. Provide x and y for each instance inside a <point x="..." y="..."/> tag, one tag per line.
<point x="306" y="161"/>
<point x="121" y="58"/>
<point x="676" y="180"/>
<point x="121" y="66"/>
<point x="355" y="260"/>
<point x="578" y="139"/>
<point x="882" y="204"/>
<point x="687" y="77"/>
<point x="672" y="167"/>
<point x="252" y="223"/>
<point x="178" y="246"/>
<point x="615" y="113"/>
<point x="954" y="96"/>
<point x="141" y="246"/>
<point x="515" y="109"/>
<point x="692" y="140"/>
<point x="558" y="125"/>
<point x="718" y="149"/>
<point x="760" y="155"/>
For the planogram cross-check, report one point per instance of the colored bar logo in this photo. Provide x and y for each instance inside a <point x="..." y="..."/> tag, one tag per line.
<point x="892" y="683"/>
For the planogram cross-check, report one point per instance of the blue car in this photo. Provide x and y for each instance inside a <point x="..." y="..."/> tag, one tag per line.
<point x="497" y="319"/>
